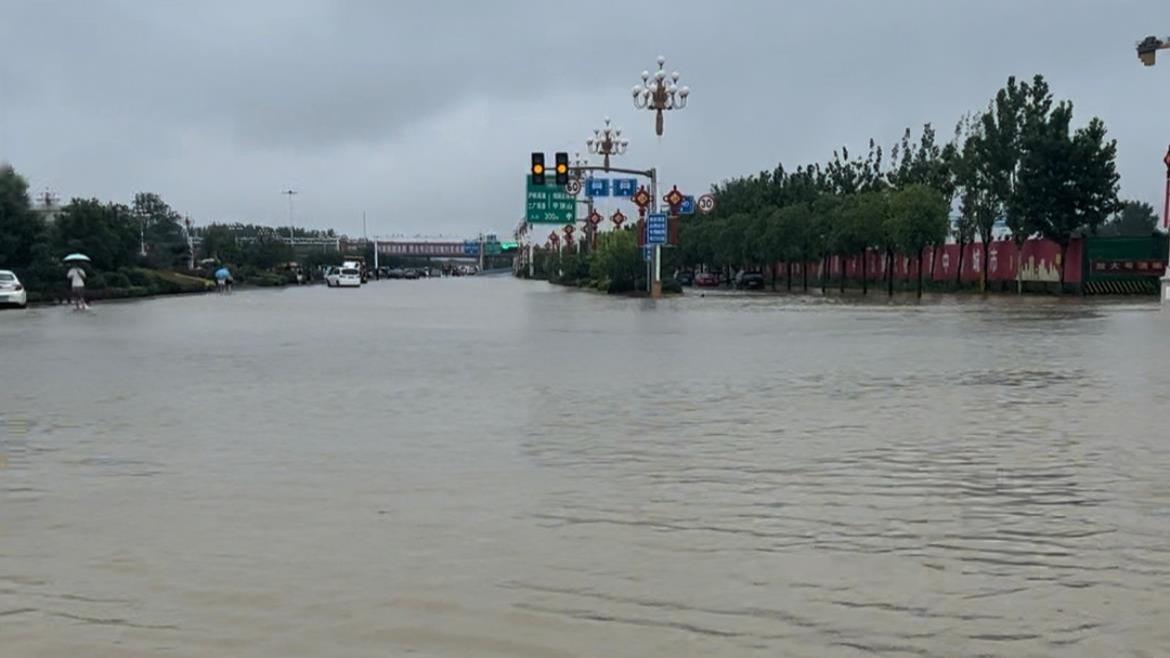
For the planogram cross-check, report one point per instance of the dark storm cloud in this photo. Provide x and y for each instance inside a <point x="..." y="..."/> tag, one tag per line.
<point x="422" y="113"/>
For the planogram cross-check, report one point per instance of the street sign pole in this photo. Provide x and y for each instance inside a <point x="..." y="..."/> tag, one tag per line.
<point x="656" y="264"/>
<point x="1166" y="225"/>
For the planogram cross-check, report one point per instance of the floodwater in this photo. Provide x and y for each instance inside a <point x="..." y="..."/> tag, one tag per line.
<point x="494" y="468"/>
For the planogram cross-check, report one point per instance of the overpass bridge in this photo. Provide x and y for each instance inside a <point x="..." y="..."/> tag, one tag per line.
<point x="484" y="250"/>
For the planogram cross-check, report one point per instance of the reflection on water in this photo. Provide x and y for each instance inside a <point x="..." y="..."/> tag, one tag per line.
<point x="494" y="468"/>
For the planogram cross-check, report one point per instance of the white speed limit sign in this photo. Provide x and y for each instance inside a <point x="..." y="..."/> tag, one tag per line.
<point x="706" y="203"/>
<point x="573" y="187"/>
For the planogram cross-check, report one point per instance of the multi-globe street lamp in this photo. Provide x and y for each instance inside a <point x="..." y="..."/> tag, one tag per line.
<point x="607" y="141"/>
<point x="658" y="94"/>
<point x="577" y="170"/>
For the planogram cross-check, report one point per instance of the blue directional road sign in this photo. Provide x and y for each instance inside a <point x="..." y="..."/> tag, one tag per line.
<point x="597" y="187"/>
<point x="687" y="207"/>
<point x="470" y="248"/>
<point x="656" y="228"/>
<point x="625" y="186"/>
<point x="648" y="253"/>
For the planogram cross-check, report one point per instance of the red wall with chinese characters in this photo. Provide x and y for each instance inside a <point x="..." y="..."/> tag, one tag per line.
<point x="1040" y="258"/>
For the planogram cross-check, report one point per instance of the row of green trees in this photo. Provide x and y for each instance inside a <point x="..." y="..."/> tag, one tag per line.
<point x="1019" y="161"/>
<point x="615" y="265"/>
<point x="111" y="234"/>
<point x="115" y="235"/>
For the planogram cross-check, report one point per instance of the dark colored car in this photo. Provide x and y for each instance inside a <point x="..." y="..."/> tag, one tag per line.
<point x="685" y="278"/>
<point x="749" y="281"/>
<point x="411" y="274"/>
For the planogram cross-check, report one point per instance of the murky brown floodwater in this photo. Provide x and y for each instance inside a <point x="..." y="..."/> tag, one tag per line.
<point x="493" y="468"/>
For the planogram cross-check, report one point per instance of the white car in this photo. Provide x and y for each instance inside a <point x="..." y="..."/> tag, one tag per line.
<point x="343" y="277"/>
<point x="11" y="289"/>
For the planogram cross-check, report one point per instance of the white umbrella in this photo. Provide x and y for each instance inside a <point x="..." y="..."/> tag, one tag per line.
<point x="71" y="258"/>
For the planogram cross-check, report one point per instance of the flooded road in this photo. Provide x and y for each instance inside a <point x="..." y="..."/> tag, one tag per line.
<point x="493" y="468"/>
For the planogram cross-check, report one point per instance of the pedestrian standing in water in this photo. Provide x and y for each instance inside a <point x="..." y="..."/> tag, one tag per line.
<point x="222" y="276"/>
<point x="76" y="276"/>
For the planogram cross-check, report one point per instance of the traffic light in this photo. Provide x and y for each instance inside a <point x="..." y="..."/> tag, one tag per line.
<point x="538" y="169"/>
<point x="562" y="169"/>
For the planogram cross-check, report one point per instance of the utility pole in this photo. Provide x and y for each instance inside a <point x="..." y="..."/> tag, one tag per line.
<point x="142" y="234"/>
<point x="367" y="239"/>
<point x="291" y="238"/>
<point x="190" y="244"/>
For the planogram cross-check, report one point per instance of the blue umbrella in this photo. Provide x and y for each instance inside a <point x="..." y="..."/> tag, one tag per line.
<point x="223" y="274"/>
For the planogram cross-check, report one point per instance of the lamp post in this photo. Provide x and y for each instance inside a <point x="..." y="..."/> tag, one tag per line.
<point x="291" y="238"/>
<point x="659" y="95"/>
<point x="606" y="142"/>
<point x="1147" y="51"/>
<point x="190" y="243"/>
<point x="142" y="233"/>
<point x="577" y="171"/>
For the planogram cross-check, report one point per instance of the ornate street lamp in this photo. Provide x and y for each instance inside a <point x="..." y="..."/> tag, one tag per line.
<point x="577" y="170"/>
<point x="659" y="94"/>
<point x="1147" y="49"/>
<point x="606" y="142"/>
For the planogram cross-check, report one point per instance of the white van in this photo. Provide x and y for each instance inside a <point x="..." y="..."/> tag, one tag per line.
<point x="344" y="277"/>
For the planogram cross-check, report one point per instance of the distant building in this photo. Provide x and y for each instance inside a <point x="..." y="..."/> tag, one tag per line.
<point x="999" y="231"/>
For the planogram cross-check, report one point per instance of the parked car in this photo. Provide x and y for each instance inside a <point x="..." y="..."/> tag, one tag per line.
<point x="749" y="281"/>
<point x="685" y="278"/>
<point x="411" y="274"/>
<point x="12" y="291"/>
<point x="706" y="279"/>
<point x="344" y="277"/>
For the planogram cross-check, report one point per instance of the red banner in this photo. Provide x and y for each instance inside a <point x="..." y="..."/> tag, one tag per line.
<point x="1040" y="259"/>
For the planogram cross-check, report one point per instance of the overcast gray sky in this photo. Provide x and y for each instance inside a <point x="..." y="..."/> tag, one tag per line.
<point x="423" y="113"/>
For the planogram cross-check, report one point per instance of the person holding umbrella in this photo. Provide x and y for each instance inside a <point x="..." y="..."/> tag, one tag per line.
<point x="76" y="277"/>
<point x="223" y="278"/>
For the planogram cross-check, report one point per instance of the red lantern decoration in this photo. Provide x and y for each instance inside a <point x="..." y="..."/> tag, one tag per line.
<point x="674" y="199"/>
<point x="642" y="198"/>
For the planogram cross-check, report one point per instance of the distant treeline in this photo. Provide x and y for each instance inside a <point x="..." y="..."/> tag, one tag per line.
<point x="120" y="238"/>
